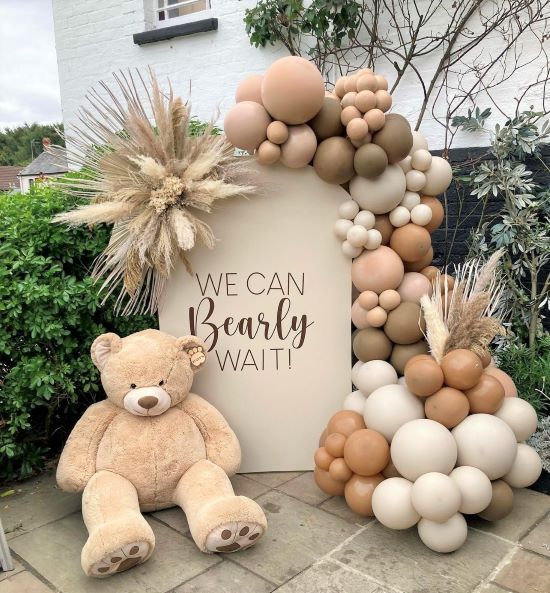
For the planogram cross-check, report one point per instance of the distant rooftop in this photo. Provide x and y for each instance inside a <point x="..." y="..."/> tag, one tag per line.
<point x="46" y="164"/>
<point x="8" y="177"/>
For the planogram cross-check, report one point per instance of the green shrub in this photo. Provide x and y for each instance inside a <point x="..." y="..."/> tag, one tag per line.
<point x="50" y="313"/>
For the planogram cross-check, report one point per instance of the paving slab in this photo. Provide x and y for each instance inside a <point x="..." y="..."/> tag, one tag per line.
<point x="244" y="486"/>
<point x="329" y="577"/>
<point x="174" y="518"/>
<point x="273" y="479"/>
<point x="529" y="508"/>
<point x="54" y="551"/>
<point x="17" y="567"/>
<point x="304" y="488"/>
<point x="337" y="505"/>
<point x="538" y="540"/>
<point x="491" y="588"/>
<point x="525" y="573"/>
<point x="36" y="502"/>
<point x="297" y="536"/>
<point x="226" y="577"/>
<point x="401" y="560"/>
<point x="23" y="582"/>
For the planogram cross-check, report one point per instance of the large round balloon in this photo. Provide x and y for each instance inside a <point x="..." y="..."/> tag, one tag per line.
<point x="300" y="147"/>
<point x="371" y="344"/>
<point x="375" y="374"/>
<point x="293" y="90"/>
<point x="405" y="324"/>
<point x="526" y="468"/>
<point x="436" y="496"/>
<point x="395" y="137"/>
<point x="392" y="506"/>
<point x="327" y="122"/>
<point x="245" y="125"/>
<point x="438" y="177"/>
<point x="358" y="492"/>
<point x="520" y="417"/>
<point x="443" y="537"/>
<point x="381" y="194"/>
<point x="377" y="270"/>
<point x="333" y="161"/>
<point x="366" y="452"/>
<point x="475" y="489"/>
<point x="250" y="89"/>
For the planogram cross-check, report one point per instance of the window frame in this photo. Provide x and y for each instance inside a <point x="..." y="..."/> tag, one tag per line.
<point x="179" y="20"/>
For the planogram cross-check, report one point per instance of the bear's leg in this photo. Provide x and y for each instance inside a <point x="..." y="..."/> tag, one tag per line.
<point x="119" y="536"/>
<point x="218" y="520"/>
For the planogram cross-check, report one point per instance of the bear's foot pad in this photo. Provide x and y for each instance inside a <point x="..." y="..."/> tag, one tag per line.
<point x="233" y="536"/>
<point x="122" y="559"/>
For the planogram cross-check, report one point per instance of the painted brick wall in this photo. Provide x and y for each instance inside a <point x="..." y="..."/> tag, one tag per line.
<point x="94" y="38"/>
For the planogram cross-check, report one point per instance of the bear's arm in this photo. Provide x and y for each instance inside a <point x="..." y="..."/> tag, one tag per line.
<point x="222" y="445"/>
<point x="77" y="463"/>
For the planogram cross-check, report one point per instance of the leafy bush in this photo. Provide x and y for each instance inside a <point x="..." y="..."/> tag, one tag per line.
<point x="50" y="313"/>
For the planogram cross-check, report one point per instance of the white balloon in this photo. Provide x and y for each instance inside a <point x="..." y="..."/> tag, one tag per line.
<point x="443" y="537"/>
<point x="374" y="239"/>
<point x="520" y="417"/>
<point x="390" y="407"/>
<point x="400" y="216"/>
<point x="349" y="250"/>
<point x="486" y="442"/>
<point x="392" y="506"/>
<point x="421" y="159"/>
<point x="406" y="164"/>
<point x="421" y="214"/>
<point x="341" y="228"/>
<point x="375" y="374"/>
<point x="526" y="468"/>
<point x="419" y="142"/>
<point x="355" y="371"/>
<point x="381" y="194"/>
<point x="475" y="489"/>
<point x="410" y="200"/>
<point x="366" y="219"/>
<point x="358" y="235"/>
<point x="348" y="209"/>
<point x="415" y="180"/>
<point x="435" y="496"/>
<point x="354" y="402"/>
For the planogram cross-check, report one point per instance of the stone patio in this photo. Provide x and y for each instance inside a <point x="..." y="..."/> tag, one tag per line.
<point x="315" y="544"/>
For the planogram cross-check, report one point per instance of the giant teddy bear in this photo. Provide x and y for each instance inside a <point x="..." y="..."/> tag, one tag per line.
<point x="151" y="445"/>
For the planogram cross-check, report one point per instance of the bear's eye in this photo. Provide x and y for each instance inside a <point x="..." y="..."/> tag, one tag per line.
<point x="161" y="382"/>
<point x="133" y="385"/>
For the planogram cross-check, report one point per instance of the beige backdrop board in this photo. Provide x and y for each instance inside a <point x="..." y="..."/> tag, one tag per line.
<point x="278" y="276"/>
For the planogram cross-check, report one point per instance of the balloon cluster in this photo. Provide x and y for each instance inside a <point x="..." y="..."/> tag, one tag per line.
<point x="418" y="443"/>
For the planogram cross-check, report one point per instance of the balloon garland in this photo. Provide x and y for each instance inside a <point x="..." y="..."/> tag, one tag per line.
<point x="434" y="430"/>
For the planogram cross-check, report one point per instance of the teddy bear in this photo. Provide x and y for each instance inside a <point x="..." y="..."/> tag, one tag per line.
<point x="152" y="445"/>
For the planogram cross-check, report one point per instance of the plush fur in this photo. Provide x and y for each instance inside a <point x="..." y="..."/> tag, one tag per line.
<point x="151" y="445"/>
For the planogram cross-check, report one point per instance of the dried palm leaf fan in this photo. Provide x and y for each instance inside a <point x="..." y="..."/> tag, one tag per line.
<point x="470" y="315"/>
<point x="150" y="179"/>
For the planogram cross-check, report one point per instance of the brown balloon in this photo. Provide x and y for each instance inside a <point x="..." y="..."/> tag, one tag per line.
<point x="486" y="358"/>
<point x="403" y="353"/>
<point x="358" y="492"/>
<point x="461" y="368"/>
<point x="334" y="444"/>
<point x="383" y="224"/>
<point x="405" y="324"/>
<point x="421" y="263"/>
<point x="371" y="344"/>
<point x="438" y="212"/>
<point x="423" y="376"/>
<point x="366" y="452"/>
<point x="327" y="484"/>
<point x="486" y="395"/>
<point x="510" y="389"/>
<point x="327" y="122"/>
<point x="447" y="406"/>
<point x="323" y="458"/>
<point x="395" y="137"/>
<point x="370" y="161"/>
<point x="340" y="471"/>
<point x="501" y="504"/>
<point x="345" y="422"/>
<point x="333" y="160"/>
<point x="430" y="272"/>
<point x="411" y="242"/>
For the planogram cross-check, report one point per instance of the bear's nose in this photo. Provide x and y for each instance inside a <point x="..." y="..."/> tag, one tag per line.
<point x="148" y="401"/>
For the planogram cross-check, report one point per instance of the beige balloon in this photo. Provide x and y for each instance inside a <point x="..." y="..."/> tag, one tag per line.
<point x="300" y="147"/>
<point x="381" y="194"/>
<point x="245" y="125"/>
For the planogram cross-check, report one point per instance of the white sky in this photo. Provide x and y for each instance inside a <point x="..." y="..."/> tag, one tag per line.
<point x="29" y="85"/>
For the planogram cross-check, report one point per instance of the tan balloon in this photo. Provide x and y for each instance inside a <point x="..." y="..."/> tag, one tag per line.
<point x="368" y="299"/>
<point x="327" y="122"/>
<point x="268" y="153"/>
<point x="300" y="147"/>
<point x="395" y="138"/>
<point x="381" y="82"/>
<point x="349" y="113"/>
<point x="430" y="272"/>
<point x="371" y="344"/>
<point x="405" y="324"/>
<point x="377" y="270"/>
<point x="416" y="266"/>
<point x="461" y="368"/>
<point x="424" y="377"/>
<point x="323" y="458"/>
<point x="293" y="90"/>
<point x="376" y="317"/>
<point x="403" y="353"/>
<point x="326" y="483"/>
<point x="348" y="100"/>
<point x="510" y="389"/>
<point x="381" y="194"/>
<point x="345" y="422"/>
<point x="359" y="316"/>
<point x="383" y="100"/>
<point x="340" y="87"/>
<point x="358" y="492"/>
<point x="365" y="100"/>
<point x="366" y="452"/>
<point x="277" y="132"/>
<point x="502" y="502"/>
<point x="245" y="125"/>
<point x="411" y="242"/>
<point x="438" y="213"/>
<point x="367" y="82"/>
<point x="384" y="226"/>
<point x="340" y="471"/>
<point x="334" y="443"/>
<point x="375" y="118"/>
<point x="389" y="299"/>
<point x="414" y="286"/>
<point x="357" y="129"/>
<point x="438" y="176"/>
<point x="250" y="89"/>
<point x="333" y="161"/>
<point x="447" y="406"/>
<point x="486" y="395"/>
<point x="350" y="84"/>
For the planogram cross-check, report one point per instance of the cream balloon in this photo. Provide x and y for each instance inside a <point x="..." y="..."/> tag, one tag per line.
<point x="419" y="142"/>
<point x="350" y="251"/>
<point x="421" y="159"/>
<point x="443" y="537"/>
<point x="365" y="218"/>
<point x="526" y="468"/>
<point x="410" y="200"/>
<point x="375" y="374"/>
<point x="381" y="194"/>
<point x="423" y="446"/>
<point x="355" y="371"/>
<point x="374" y="239"/>
<point x="341" y="228"/>
<point x="415" y="180"/>
<point x="519" y="415"/>
<point x="357" y="235"/>
<point x="475" y="489"/>
<point x="435" y="496"/>
<point x="438" y="177"/>
<point x="400" y="216"/>
<point x="392" y="506"/>
<point x="355" y="402"/>
<point x="421" y="214"/>
<point x="348" y="210"/>
<point x="406" y="163"/>
<point x="300" y="147"/>
<point x="391" y="407"/>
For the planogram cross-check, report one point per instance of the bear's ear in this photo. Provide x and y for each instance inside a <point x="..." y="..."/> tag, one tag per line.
<point x="103" y="346"/>
<point x="194" y="349"/>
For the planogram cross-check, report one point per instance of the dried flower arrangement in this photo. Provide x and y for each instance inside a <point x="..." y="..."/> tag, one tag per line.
<point x="151" y="180"/>
<point x="469" y="315"/>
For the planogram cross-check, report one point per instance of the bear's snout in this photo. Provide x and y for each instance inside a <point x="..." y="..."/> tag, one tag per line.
<point x="147" y="401"/>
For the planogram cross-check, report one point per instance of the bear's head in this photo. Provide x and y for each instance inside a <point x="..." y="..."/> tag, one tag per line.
<point x="148" y="372"/>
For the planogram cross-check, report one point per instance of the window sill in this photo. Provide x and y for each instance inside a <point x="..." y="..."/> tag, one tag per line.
<point x="164" y="33"/>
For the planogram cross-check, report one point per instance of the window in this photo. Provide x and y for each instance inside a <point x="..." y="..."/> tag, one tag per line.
<point x="169" y="12"/>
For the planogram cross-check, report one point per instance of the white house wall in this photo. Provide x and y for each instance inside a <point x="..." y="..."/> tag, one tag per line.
<point x="94" y="38"/>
